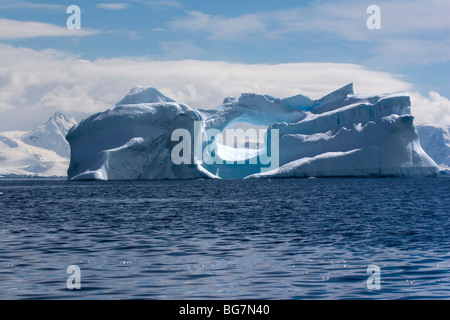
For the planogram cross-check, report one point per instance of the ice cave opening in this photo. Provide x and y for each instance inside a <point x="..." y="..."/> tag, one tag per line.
<point x="239" y="150"/>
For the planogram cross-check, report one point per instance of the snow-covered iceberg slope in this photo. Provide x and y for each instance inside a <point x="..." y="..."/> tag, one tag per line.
<point x="42" y="152"/>
<point x="132" y="141"/>
<point x="342" y="134"/>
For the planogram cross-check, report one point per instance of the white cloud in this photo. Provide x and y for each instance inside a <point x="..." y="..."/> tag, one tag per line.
<point x="14" y="4"/>
<point x="112" y="6"/>
<point x="160" y="4"/>
<point x="411" y="32"/>
<point x="221" y="28"/>
<point x="415" y="17"/>
<point x="35" y="84"/>
<point x="433" y="109"/>
<point x="329" y="18"/>
<point x="345" y="19"/>
<point x="14" y="30"/>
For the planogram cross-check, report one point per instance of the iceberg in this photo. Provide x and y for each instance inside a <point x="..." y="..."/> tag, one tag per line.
<point x="133" y="140"/>
<point x="339" y="135"/>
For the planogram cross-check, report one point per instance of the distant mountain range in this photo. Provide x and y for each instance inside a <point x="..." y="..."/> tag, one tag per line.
<point x="44" y="151"/>
<point x="435" y="140"/>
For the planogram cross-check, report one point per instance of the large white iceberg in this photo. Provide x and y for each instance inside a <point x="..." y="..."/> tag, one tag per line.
<point x="342" y="134"/>
<point x="132" y="141"/>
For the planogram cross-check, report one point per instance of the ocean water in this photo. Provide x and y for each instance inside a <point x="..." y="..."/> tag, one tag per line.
<point x="246" y="239"/>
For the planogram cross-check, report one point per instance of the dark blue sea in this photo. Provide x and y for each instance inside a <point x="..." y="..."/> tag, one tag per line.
<point x="243" y="239"/>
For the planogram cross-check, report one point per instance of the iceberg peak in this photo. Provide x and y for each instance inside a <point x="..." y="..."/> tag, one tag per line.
<point x="141" y="94"/>
<point x="334" y="100"/>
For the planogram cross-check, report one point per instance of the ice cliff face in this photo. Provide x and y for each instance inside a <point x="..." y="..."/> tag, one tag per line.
<point x="342" y="134"/>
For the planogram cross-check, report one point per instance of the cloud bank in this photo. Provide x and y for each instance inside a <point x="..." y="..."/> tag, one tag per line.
<point x="112" y="6"/>
<point x="35" y="84"/>
<point x="17" y="30"/>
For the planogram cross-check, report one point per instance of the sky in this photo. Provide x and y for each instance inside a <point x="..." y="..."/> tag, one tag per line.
<point x="200" y="51"/>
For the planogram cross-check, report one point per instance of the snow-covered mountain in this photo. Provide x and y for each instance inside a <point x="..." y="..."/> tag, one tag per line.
<point x="42" y="152"/>
<point x="52" y="135"/>
<point x="435" y="140"/>
<point x="342" y="134"/>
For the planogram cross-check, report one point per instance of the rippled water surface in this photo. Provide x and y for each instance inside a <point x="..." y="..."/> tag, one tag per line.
<point x="247" y="239"/>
